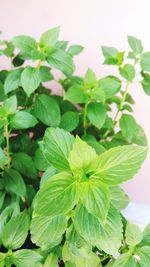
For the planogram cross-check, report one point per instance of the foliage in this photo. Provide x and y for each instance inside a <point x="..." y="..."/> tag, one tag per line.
<point x="63" y="158"/>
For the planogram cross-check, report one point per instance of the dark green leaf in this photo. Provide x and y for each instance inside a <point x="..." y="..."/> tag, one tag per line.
<point x="45" y="74"/>
<point x="14" y="182"/>
<point x="47" y="110"/>
<point x="128" y="126"/>
<point x="69" y="121"/>
<point x="12" y="81"/>
<point x="40" y="161"/>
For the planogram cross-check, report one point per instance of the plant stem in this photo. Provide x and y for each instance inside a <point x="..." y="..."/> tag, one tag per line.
<point x="7" y="145"/>
<point x="85" y="117"/>
<point x="119" y="109"/>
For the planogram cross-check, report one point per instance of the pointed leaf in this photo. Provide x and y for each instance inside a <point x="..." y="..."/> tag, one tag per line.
<point x="133" y="234"/>
<point x="96" y="113"/>
<point x="57" y="196"/>
<point x="26" y="258"/>
<point x="57" y="146"/>
<point x="30" y="80"/>
<point x="119" y="164"/>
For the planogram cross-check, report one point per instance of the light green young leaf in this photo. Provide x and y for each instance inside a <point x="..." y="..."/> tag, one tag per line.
<point x="26" y="258"/>
<point x="135" y="44"/>
<point x="81" y="156"/>
<point x="51" y="230"/>
<point x="30" y="79"/>
<point x="146" y="236"/>
<point x="69" y="121"/>
<point x="133" y="234"/>
<point x="25" y="44"/>
<point x="12" y="81"/>
<point x="96" y="198"/>
<point x="57" y="146"/>
<point x="15" y="232"/>
<point x="119" y="199"/>
<point x="125" y="260"/>
<point x="50" y="37"/>
<point x="14" y="182"/>
<point x="23" y="120"/>
<point x="110" y="54"/>
<point x="127" y="72"/>
<point x="62" y="61"/>
<point x="10" y="104"/>
<point x="128" y="126"/>
<point x="145" y="61"/>
<point x="24" y="164"/>
<point x="119" y="164"/>
<point x="111" y="85"/>
<point x="57" y="196"/>
<point x="74" y="50"/>
<point x="107" y="236"/>
<point x="47" y="110"/>
<point x="90" y="79"/>
<point x="96" y="113"/>
<point x="51" y="260"/>
<point x="2" y="259"/>
<point x="76" y="94"/>
<point x="47" y="175"/>
<point x="144" y="254"/>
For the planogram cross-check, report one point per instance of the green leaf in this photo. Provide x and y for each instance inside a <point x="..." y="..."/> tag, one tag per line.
<point x="96" y="113"/>
<point x="2" y="157"/>
<point x="127" y="72"/>
<point x="57" y="196"/>
<point x="69" y="121"/>
<point x="119" y="199"/>
<point x="2" y="197"/>
<point x="145" y="61"/>
<point x="57" y="146"/>
<point x="89" y="79"/>
<point x="12" y="81"/>
<point x="30" y="79"/>
<point x="15" y="232"/>
<point x="45" y="74"/>
<point x="47" y="175"/>
<point x="146" y="83"/>
<point x="110" y="54"/>
<point x="2" y="259"/>
<point x="51" y="230"/>
<point x="125" y="260"/>
<point x="76" y="94"/>
<point x="81" y="156"/>
<point x="14" y="182"/>
<point x="23" y="120"/>
<point x="26" y="258"/>
<point x="50" y="37"/>
<point x="146" y="236"/>
<point x="119" y="164"/>
<point x="25" y="44"/>
<point x="133" y="235"/>
<point x="47" y="110"/>
<point x="144" y="254"/>
<point x="24" y="164"/>
<point x="40" y="162"/>
<point x="135" y="44"/>
<point x="96" y="198"/>
<point x="128" y="126"/>
<point x="75" y="50"/>
<point x="111" y="85"/>
<point x="62" y="61"/>
<point x="107" y="236"/>
<point x="51" y="260"/>
<point x="10" y="104"/>
<point x="139" y="136"/>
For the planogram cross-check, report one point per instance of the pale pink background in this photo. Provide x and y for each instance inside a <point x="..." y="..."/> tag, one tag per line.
<point x="91" y="23"/>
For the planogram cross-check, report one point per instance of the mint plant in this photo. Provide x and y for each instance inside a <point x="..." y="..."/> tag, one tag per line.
<point x="63" y="158"/>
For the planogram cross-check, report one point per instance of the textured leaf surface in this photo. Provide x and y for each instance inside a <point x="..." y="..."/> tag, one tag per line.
<point x="57" y="196"/>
